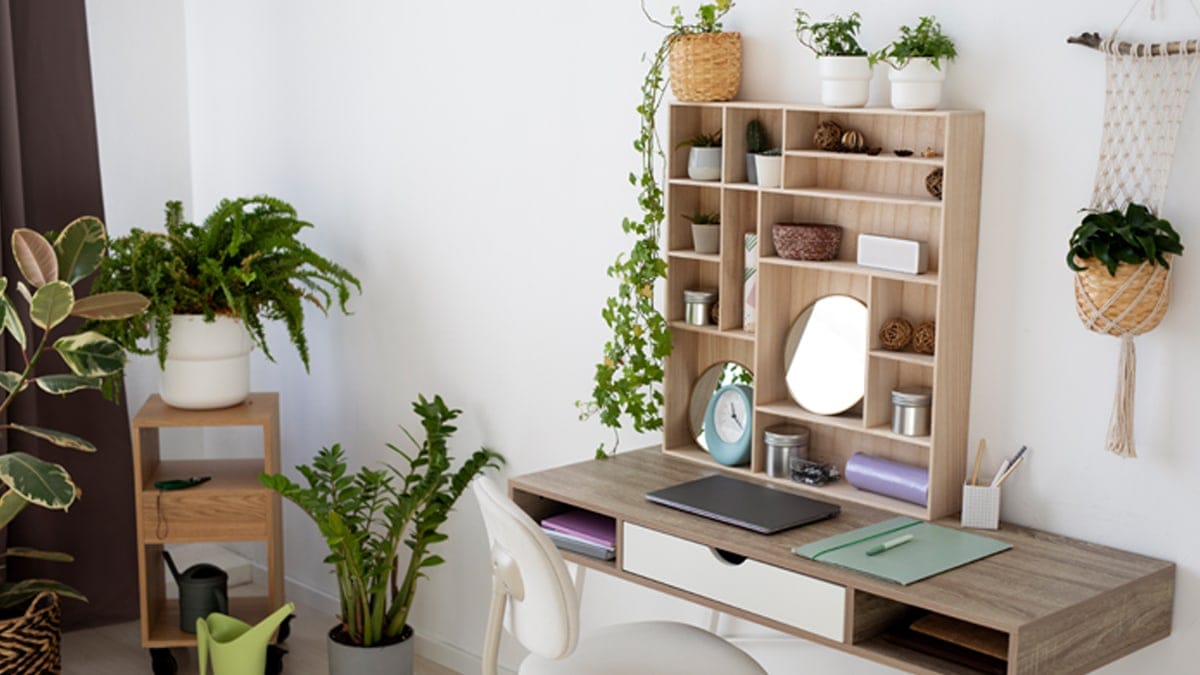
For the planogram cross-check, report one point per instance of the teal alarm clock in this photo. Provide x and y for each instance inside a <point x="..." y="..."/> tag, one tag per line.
<point x="727" y="424"/>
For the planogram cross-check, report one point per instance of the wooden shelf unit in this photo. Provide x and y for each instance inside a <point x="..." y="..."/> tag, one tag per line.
<point x="883" y="195"/>
<point x="233" y="506"/>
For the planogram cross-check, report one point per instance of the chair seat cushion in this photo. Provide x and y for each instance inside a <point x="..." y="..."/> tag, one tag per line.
<point x="658" y="647"/>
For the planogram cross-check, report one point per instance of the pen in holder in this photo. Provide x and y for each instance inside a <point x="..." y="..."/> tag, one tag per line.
<point x="981" y="506"/>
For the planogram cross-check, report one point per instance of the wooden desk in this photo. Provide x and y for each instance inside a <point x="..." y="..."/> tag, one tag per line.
<point x="1062" y="605"/>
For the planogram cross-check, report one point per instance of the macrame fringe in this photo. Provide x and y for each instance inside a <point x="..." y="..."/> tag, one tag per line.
<point x="1120" y="426"/>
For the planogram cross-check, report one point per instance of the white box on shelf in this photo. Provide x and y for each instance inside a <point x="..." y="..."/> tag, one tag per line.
<point x="890" y="253"/>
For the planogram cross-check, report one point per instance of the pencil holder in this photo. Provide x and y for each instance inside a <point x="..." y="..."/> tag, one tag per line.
<point x="981" y="507"/>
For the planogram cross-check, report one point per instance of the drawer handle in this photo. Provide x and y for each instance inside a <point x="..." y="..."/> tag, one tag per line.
<point x="728" y="557"/>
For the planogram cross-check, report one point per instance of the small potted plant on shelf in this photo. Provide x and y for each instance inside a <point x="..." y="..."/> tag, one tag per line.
<point x="364" y="517"/>
<point x="704" y="158"/>
<point x="756" y="142"/>
<point x="705" y="62"/>
<point x="918" y="60"/>
<point x="706" y="231"/>
<point x="770" y="167"/>
<point x="842" y="64"/>
<point x="52" y="268"/>
<point x="211" y="287"/>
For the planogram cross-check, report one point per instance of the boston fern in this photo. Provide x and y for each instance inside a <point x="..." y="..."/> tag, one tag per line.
<point x="1134" y="237"/>
<point x="244" y="261"/>
<point x="364" y="517"/>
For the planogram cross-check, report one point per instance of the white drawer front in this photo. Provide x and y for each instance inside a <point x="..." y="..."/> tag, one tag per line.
<point x="787" y="597"/>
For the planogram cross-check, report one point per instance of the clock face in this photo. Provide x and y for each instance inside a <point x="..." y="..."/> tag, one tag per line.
<point x="730" y="416"/>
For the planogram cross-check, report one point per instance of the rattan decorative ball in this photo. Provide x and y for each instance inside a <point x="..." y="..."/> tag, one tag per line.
<point x="923" y="336"/>
<point x="828" y="137"/>
<point x="933" y="183"/>
<point x="896" y="334"/>
<point x="853" y="141"/>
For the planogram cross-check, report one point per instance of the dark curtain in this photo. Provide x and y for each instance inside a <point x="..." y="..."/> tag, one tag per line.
<point x="49" y="175"/>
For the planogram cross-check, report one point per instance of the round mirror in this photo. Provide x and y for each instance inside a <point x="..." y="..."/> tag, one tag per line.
<point x="718" y="375"/>
<point x="825" y="355"/>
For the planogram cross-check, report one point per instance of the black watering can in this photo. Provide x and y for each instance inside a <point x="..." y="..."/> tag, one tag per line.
<point x="203" y="589"/>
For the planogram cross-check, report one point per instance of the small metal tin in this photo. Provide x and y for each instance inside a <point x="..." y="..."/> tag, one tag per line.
<point x="910" y="410"/>
<point x="698" y="307"/>
<point x="784" y="444"/>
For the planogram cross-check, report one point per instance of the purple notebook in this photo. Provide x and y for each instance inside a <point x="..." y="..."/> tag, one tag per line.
<point x="592" y="527"/>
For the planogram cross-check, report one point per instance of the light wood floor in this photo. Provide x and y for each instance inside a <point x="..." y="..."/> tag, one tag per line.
<point x="117" y="650"/>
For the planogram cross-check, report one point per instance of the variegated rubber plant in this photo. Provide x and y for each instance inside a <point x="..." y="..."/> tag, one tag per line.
<point x="52" y="266"/>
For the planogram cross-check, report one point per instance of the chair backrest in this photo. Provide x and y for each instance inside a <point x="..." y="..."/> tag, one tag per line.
<point x="543" y="606"/>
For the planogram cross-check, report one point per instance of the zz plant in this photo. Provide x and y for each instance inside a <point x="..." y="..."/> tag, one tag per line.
<point x="836" y="37"/>
<point x="628" y="378"/>
<point x="52" y="266"/>
<point x="1112" y="237"/>
<point x="365" y="516"/>
<point x="245" y="261"/>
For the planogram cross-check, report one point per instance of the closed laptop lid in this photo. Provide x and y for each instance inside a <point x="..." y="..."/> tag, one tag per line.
<point x="737" y="502"/>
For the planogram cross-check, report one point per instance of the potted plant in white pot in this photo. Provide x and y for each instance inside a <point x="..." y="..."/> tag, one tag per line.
<point x="704" y="159"/>
<point x="211" y="287"/>
<point x="30" y="616"/>
<point x="706" y="231"/>
<point x="842" y="64"/>
<point x="770" y="167"/>
<point x="364" y="517"/>
<point x="918" y="60"/>
<point x="756" y="142"/>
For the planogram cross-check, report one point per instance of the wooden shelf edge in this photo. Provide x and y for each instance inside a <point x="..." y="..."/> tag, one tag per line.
<point x="925" y="360"/>
<point x="933" y="162"/>
<point x="849" y="267"/>
<point x="792" y="411"/>
<point x="258" y="410"/>
<point x="165" y="632"/>
<point x="730" y="333"/>
<point x="689" y="254"/>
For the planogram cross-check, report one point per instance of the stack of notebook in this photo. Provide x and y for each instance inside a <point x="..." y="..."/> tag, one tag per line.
<point x="583" y="532"/>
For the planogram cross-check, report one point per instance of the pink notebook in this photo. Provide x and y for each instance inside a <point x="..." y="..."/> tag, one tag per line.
<point x="586" y="525"/>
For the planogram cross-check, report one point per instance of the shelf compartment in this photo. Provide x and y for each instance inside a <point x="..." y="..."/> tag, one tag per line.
<point x="888" y="131"/>
<point x="688" y="199"/>
<point x="739" y="218"/>
<point x="789" y="411"/>
<point x="899" y="298"/>
<point x="688" y="121"/>
<point x="690" y="274"/>
<point x="920" y="637"/>
<point x="899" y="181"/>
<point x="233" y="506"/>
<point x="884" y="375"/>
<point x="735" y="157"/>
<point x="163" y="628"/>
<point x="694" y="352"/>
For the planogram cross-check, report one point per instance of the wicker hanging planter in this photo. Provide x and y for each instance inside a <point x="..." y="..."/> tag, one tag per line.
<point x="29" y="644"/>
<point x="1132" y="302"/>
<point x="706" y="66"/>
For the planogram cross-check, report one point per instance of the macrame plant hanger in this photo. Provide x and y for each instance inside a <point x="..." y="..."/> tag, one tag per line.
<point x="1148" y="86"/>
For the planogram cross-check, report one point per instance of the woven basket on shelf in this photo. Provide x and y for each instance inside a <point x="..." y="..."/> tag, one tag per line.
<point x="806" y="241"/>
<point x="1134" y="301"/>
<point x="29" y="644"/>
<point x="706" y="66"/>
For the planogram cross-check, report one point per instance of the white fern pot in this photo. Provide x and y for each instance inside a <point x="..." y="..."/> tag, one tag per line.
<point x="208" y="364"/>
<point x="706" y="238"/>
<point x="770" y="170"/>
<point x="918" y="85"/>
<point x="704" y="164"/>
<point x="845" y="81"/>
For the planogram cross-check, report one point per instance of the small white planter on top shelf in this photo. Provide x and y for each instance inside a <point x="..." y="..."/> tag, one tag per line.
<point x="845" y="81"/>
<point x="918" y="84"/>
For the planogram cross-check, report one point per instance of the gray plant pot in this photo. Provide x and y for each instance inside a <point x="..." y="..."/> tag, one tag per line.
<point x="751" y="170"/>
<point x="395" y="659"/>
<point x="704" y="164"/>
<point x="706" y="238"/>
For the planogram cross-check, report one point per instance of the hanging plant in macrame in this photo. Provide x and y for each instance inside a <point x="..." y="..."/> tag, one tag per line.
<point x="1148" y="86"/>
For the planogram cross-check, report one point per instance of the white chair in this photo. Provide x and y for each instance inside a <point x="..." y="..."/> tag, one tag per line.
<point x="530" y="578"/>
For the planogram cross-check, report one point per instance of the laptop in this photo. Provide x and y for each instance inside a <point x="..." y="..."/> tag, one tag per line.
<point x="737" y="502"/>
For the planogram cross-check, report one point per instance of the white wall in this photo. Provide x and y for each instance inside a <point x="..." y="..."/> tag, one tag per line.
<point x="467" y="160"/>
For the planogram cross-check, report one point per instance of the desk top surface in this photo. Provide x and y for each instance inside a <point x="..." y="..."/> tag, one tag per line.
<point x="1042" y="574"/>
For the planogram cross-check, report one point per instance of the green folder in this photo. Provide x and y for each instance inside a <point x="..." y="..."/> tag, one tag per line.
<point x="933" y="550"/>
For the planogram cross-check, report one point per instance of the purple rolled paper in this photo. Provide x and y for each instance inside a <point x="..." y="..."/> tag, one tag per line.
<point x="885" y="477"/>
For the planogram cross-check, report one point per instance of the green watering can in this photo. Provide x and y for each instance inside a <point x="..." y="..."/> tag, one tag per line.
<point x="237" y="648"/>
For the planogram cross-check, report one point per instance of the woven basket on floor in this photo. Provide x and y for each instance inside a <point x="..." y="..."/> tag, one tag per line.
<point x="1133" y="311"/>
<point x="29" y="644"/>
<point x="706" y="66"/>
<point x="806" y="241"/>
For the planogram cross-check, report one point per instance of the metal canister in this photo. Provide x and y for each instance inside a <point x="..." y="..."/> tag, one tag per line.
<point x="910" y="410"/>
<point x="698" y="306"/>
<point x="784" y="444"/>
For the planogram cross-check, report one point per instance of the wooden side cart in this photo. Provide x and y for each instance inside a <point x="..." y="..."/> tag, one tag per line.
<point x="232" y="506"/>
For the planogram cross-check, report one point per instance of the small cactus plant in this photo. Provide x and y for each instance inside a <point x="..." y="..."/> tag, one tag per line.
<point x="756" y="137"/>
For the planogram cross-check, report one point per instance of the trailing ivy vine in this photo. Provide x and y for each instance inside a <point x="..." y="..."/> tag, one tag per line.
<point x="628" y="379"/>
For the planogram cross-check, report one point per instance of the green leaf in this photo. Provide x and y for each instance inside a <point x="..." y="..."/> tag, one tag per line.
<point x="111" y="306"/>
<point x="27" y="589"/>
<point x="9" y="380"/>
<point x="90" y="354"/>
<point x="12" y="322"/>
<point x="59" y="438"/>
<point x="51" y="304"/>
<point x="38" y="481"/>
<point x="11" y="504"/>
<point x="64" y="384"/>
<point x="35" y="554"/>
<point x="78" y="248"/>
<point x="35" y="257"/>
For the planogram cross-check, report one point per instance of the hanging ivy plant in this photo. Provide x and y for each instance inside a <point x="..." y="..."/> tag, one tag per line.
<point x="628" y="380"/>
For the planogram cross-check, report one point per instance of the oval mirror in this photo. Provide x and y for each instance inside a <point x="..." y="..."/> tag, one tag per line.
<point x="718" y="375"/>
<point x="825" y="355"/>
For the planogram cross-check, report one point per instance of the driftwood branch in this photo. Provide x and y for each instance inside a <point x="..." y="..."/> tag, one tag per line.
<point x="1093" y="41"/>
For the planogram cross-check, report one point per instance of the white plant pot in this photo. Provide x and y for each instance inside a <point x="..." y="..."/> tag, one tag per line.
<point x="208" y="364"/>
<point x="704" y="164"/>
<point x="918" y="85"/>
<point x="845" y="81"/>
<point x="706" y="238"/>
<point x="770" y="170"/>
